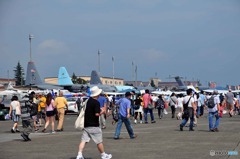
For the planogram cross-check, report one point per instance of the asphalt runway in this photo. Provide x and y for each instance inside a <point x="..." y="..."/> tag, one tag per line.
<point x="161" y="140"/>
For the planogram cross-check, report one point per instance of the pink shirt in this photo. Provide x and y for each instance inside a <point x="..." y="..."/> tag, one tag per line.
<point x="146" y="100"/>
<point x="51" y="106"/>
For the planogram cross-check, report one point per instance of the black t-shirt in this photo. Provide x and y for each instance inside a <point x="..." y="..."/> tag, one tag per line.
<point x="92" y="108"/>
<point x="138" y="101"/>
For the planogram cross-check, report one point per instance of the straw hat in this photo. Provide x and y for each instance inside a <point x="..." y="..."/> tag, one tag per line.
<point x="95" y="91"/>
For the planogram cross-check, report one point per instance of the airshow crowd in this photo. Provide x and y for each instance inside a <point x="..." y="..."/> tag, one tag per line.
<point x="40" y="111"/>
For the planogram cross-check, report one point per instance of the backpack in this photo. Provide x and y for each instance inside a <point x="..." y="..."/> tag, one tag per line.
<point x="210" y="102"/>
<point x="160" y="104"/>
<point x="185" y="105"/>
<point x="79" y="123"/>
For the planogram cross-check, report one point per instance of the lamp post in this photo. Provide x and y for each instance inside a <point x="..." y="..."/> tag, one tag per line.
<point x="30" y="40"/>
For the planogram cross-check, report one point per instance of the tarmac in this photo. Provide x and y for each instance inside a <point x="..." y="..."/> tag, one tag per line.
<point x="161" y="140"/>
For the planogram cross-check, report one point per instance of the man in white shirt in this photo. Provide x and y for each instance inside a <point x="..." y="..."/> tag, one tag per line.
<point x="189" y="110"/>
<point x="214" y="112"/>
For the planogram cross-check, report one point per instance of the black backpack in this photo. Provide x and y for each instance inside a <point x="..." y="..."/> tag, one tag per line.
<point x="210" y="102"/>
<point x="160" y="104"/>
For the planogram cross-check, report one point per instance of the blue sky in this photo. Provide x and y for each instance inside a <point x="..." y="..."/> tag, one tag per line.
<point x="195" y="39"/>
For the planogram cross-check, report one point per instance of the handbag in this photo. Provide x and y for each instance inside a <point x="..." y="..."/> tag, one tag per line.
<point x="18" y="109"/>
<point x="150" y="105"/>
<point x="79" y="123"/>
<point x="136" y="107"/>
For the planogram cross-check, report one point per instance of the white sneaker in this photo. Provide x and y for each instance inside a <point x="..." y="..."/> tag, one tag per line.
<point x="135" y="121"/>
<point x="106" y="156"/>
<point x="141" y="121"/>
<point x="79" y="157"/>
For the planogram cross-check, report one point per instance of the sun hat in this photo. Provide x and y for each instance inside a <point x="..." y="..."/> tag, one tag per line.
<point x="95" y="91"/>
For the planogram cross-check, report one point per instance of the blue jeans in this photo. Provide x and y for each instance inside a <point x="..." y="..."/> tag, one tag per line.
<point x="210" y="119"/>
<point x="199" y="110"/>
<point x="191" y="116"/>
<point x="127" y="123"/>
<point x="146" y="110"/>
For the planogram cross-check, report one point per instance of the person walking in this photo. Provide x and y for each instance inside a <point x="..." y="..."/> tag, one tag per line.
<point x="60" y="102"/>
<point x="173" y="103"/>
<point x="189" y="110"/>
<point x="91" y="125"/>
<point x="124" y="116"/>
<point x="103" y="106"/>
<point x="139" y="111"/>
<point x="229" y="102"/>
<point x="147" y="99"/>
<point x="214" y="112"/>
<point x="49" y="109"/>
<point x="160" y="106"/>
<point x="12" y="113"/>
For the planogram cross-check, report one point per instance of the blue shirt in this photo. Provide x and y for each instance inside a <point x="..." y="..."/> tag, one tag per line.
<point x="202" y="99"/>
<point x="124" y="104"/>
<point x="102" y="100"/>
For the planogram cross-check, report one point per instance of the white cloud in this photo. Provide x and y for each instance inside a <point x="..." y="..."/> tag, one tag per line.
<point x="52" y="46"/>
<point x="153" y="54"/>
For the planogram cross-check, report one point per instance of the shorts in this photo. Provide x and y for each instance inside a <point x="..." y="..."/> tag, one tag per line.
<point x="50" y="113"/>
<point x="94" y="133"/>
<point x="15" y="117"/>
<point x="229" y="106"/>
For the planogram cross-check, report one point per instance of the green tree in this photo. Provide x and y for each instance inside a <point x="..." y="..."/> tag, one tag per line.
<point x="152" y="83"/>
<point x="74" y="78"/>
<point x="81" y="81"/>
<point x="19" y="74"/>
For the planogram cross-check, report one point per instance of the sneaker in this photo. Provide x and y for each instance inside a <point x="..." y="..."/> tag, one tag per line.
<point x="181" y="128"/>
<point x="191" y="129"/>
<point x="153" y="121"/>
<point x="141" y="121"/>
<point x="80" y="157"/>
<point x="53" y="132"/>
<point x="36" y="130"/>
<point x="134" y="136"/>
<point x="135" y="121"/>
<point x="12" y="131"/>
<point x="106" y="156"/>
<point x="216" y="130"/>
<point x="24" y="137"/>
<point x="212" y="130"/>
<point x="17" y="130"/>
<point x="28" y="138"/>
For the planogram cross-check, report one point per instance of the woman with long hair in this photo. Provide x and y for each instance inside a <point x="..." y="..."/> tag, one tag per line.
<point x="49" y="109"/>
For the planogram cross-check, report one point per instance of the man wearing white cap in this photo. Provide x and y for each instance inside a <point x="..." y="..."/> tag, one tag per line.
<point x="91" y="125"/>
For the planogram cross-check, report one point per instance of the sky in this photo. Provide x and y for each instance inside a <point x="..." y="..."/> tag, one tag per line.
<point x="194" y="39"/>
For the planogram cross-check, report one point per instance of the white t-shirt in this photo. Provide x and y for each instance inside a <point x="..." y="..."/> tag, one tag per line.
<point x="14" y="104"/>
<point x="185" y="100"/>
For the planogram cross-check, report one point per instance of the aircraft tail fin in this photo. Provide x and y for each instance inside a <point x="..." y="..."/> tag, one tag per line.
<point x="179" y="81"/>
<point x="32" y="76"/>
<point x="63" y="77"/>
<point x="95" y="78"/>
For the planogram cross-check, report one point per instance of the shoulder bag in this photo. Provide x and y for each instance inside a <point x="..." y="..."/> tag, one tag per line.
<point x="79" y="123"/>
<point x="150" y="105"/>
